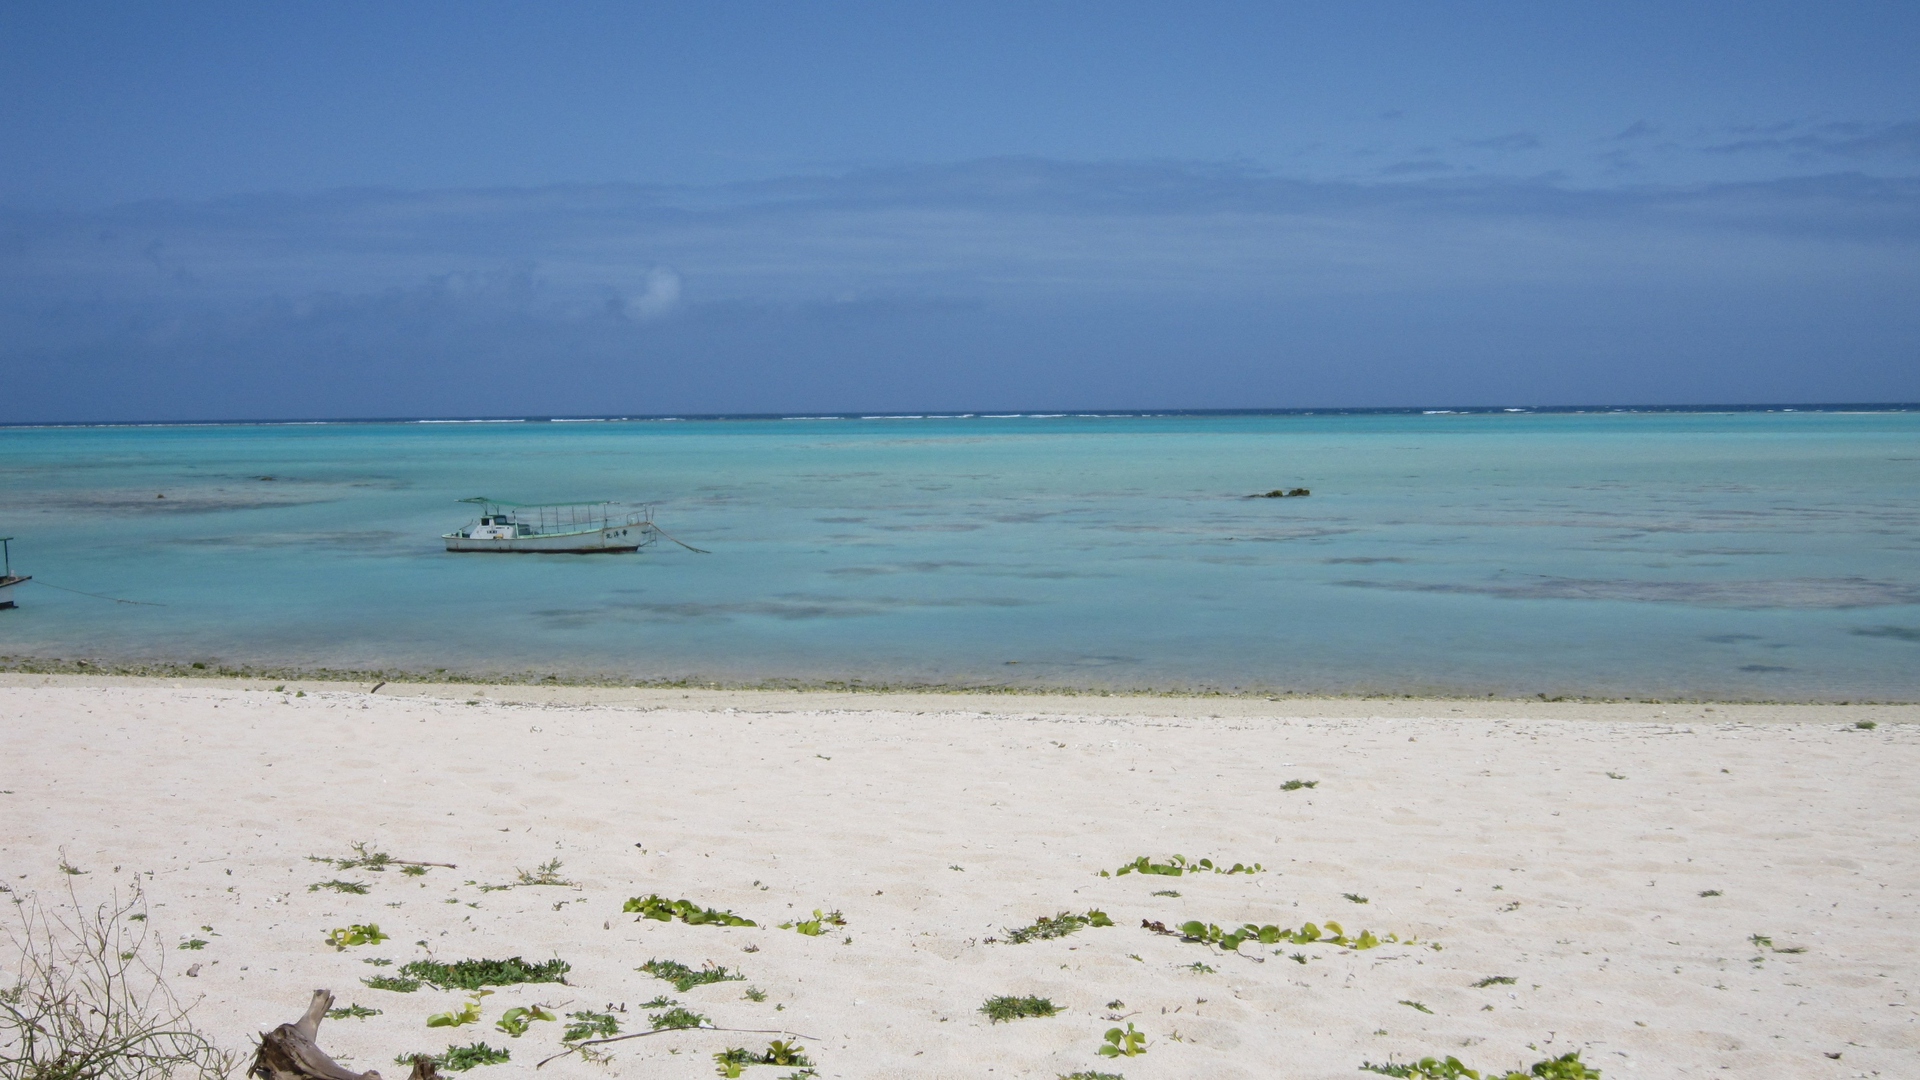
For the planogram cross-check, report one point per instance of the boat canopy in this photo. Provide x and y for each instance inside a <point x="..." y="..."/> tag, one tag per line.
<point x="487" y="504"/>
<point x="547" y="517"/>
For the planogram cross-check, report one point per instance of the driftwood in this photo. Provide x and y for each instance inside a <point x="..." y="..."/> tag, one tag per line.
<point x="289" y="1052"/>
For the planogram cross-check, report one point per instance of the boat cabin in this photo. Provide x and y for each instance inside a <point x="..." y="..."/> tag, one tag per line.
<point x="499" y="527"/>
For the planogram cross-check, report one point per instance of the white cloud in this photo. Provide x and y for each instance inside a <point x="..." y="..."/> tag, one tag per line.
<point x="661" y="296"/>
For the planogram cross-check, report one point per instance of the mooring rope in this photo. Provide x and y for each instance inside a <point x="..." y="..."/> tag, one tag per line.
<point x="95" y="595"/>
<point x="682" y="543"/>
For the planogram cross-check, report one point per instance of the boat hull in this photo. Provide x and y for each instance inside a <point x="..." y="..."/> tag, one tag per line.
<point x="6" y="590"/>
<point x="613" y="539"/>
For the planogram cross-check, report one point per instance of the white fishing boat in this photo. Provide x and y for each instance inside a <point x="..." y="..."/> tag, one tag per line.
<point x="582" y="528"/>
<point x="7" y="578"/>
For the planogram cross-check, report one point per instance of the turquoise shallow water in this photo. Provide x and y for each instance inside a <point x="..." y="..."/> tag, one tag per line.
<point x="1744" y="555"/>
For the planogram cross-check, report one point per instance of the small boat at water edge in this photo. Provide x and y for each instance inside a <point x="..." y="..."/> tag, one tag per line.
<point x="583" y="528"/>
<point x="7" y="578"/>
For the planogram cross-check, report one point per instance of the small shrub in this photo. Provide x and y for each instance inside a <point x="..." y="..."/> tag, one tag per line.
<point x="87" y="999"/>
<point x="658" y="907"/>
<point x="1006" y="1008"/>
<point x="685" y="978"/>
<point x="1710" y="892"/>
<point x="1865" y="725"/>
<point x="1201" y="968"/>
<point x="352" y="1012"/>
<point x="1494" y="980"/>
<point x="1296" y="785"/>
<point x="755" y="994"/>
<point x="1416" y="1006"/>
<point x="357" y="888"/>
<point x="474" y="974"/>
<point x="1055" y="926"/>
<point x="1354" y="898"/>
<point x="1091" y="1076"/>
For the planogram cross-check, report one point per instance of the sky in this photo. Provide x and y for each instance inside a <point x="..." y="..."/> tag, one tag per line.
<point x="302" y="210"/>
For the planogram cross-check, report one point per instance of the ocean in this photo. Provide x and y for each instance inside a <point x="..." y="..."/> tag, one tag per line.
<point x="1743" y="554"/>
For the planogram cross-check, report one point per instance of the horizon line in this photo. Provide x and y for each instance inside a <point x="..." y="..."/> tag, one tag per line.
<point x="1008" y="414"/>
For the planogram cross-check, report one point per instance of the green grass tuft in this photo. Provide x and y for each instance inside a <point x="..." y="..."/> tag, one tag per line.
<point x="1048" y="927"/>
<point x="1006" y="1007"/>
<point x="590" y="1025"/>
<point x="361" y="859"/>
<point x="399" y="984"/>
<point x="460" y="1058"/>
<point x="474" y="974"/>
<point x="685" y="978"/>
<point x="547" y="873"/>
<point x="676" y="1017"/>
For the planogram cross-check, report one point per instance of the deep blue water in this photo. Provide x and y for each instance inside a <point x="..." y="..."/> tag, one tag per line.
<point x="1739" y="554"/>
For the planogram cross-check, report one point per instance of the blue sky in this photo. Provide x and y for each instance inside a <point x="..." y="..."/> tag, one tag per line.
<point x="296" y="210"/>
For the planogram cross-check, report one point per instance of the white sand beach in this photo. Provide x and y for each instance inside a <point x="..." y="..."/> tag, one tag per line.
<point x="1615" y="861"/>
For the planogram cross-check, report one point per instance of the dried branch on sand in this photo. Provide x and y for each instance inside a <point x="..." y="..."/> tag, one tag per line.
<point x="89" y="1000"/>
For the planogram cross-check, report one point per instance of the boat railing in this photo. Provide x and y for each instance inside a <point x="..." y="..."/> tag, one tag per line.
<point x="561" y="518"/>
